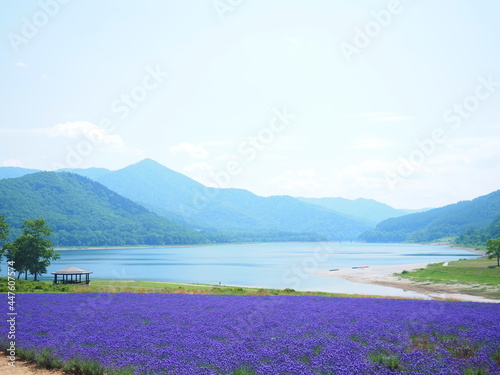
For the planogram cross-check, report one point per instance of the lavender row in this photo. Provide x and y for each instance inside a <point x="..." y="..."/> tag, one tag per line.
<point x="199" y="334"/>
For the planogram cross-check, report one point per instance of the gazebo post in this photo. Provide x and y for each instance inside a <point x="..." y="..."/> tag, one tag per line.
<point x="68" y="273"/>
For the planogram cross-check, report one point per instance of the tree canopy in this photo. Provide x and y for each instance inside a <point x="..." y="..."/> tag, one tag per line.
<point x="493" y="249"/>
<point x="4" y="234"/>
<point x="32" y="251"/>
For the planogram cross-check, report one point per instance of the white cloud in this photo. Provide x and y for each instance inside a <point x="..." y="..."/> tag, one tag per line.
<point x="197" y="152"/>
<point x="12" y="163"/>
<point x="72" y="130"/>
<point x="201" y="172"/>
<point x="21" y="64"/>
<point x="75" y="130"/>
<point x="303" y="183"/>
<point x="477" y="153"/>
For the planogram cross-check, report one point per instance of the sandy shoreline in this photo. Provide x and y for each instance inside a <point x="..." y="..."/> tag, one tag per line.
<point x="383" y="275"/>
<point x="377" y="275"/>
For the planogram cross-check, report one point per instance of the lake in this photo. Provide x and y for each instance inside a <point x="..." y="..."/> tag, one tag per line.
<point x="271" y="265"/>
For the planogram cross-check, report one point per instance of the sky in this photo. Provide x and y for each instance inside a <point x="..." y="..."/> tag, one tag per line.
<point x="396" y="101"/>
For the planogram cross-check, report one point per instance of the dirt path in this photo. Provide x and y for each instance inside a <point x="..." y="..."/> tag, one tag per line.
<point x="23" y="368"/>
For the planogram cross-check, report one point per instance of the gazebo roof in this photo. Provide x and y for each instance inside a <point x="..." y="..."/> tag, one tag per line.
<point x="71" y="271"/>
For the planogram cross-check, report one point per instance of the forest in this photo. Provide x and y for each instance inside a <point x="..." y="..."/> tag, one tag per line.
<point x="82" y="212"/>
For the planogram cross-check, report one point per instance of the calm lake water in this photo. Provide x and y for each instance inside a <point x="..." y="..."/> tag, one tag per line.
<point x="274" y="265"/>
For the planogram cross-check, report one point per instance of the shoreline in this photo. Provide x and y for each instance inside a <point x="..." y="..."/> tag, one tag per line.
<point x="180" y="246"/>
<point x="449" y="246"/>
<point x="375" y="275"/>
<point x="383" y="276"/>
<point x="444" y="244"/>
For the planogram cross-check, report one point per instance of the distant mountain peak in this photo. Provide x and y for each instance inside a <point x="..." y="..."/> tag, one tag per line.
<point x="148" y="161"/>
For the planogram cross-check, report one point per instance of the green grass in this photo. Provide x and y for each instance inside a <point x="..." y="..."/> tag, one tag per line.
<point x="472" y="276"/>
<point x="29" y="286"/>
<point x="132" y="286"/>
<point x="388" y="360"/>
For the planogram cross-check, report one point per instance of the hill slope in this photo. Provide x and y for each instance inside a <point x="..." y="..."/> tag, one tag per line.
<point x="180" y="198"/>
<point x="13" y="172"/>
<point x="447" y="221"/>
<point x="479" y="237"/>
<point x="83" y="212"/>
<point x="369" y="210"/>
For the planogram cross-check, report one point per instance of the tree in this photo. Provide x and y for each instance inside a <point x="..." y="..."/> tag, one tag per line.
<point x="18" y="257"/>
<point x="32" y="251"/>
<point x="493" y="249"/>
<point x="4" y="235"/>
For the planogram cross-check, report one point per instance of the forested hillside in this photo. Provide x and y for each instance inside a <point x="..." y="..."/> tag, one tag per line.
<point x="180" y="198"/>
<point x="13" y="172"/>
<point x="83" y="212"/>
<point x="479" y="237"/>
<point x="371" y="211"/>
<point x="449" y="221"/>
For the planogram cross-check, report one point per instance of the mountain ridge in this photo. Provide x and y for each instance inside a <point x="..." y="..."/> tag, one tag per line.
<point x="175" y="195"/>
<point x="447" y="221"/>
<point x="84" y="212"/>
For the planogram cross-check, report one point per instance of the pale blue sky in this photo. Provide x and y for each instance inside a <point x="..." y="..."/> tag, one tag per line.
<point x="186" y="83"/>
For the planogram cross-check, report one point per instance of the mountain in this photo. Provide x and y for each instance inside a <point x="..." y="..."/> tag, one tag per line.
<point x="479" y="237"/>
<point x="13" y="172"/>
<point x="175" y="196"/>
<point x="447" y="221"/>
<point x="371" y="211"/>
<point x="82" y="212"/>
<point x="92" y="173"/>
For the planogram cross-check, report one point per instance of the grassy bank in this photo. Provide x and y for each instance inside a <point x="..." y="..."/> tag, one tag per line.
<point x="471" y="276"/>
<point x="132" y="286"/>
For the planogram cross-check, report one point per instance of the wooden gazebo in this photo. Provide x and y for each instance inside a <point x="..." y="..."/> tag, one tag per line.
<point x="68" y="273"/>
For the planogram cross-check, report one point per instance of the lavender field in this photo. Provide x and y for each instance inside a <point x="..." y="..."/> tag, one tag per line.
<point x="201" y="334"/>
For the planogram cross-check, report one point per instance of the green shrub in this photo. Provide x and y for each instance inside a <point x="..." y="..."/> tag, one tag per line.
<point x="46" y="360"/>
<point x="388" y="360"/>
<point x="244" y="370"/>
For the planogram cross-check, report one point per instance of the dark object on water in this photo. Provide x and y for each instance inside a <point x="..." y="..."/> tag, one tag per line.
<point x="334" y="269"/>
